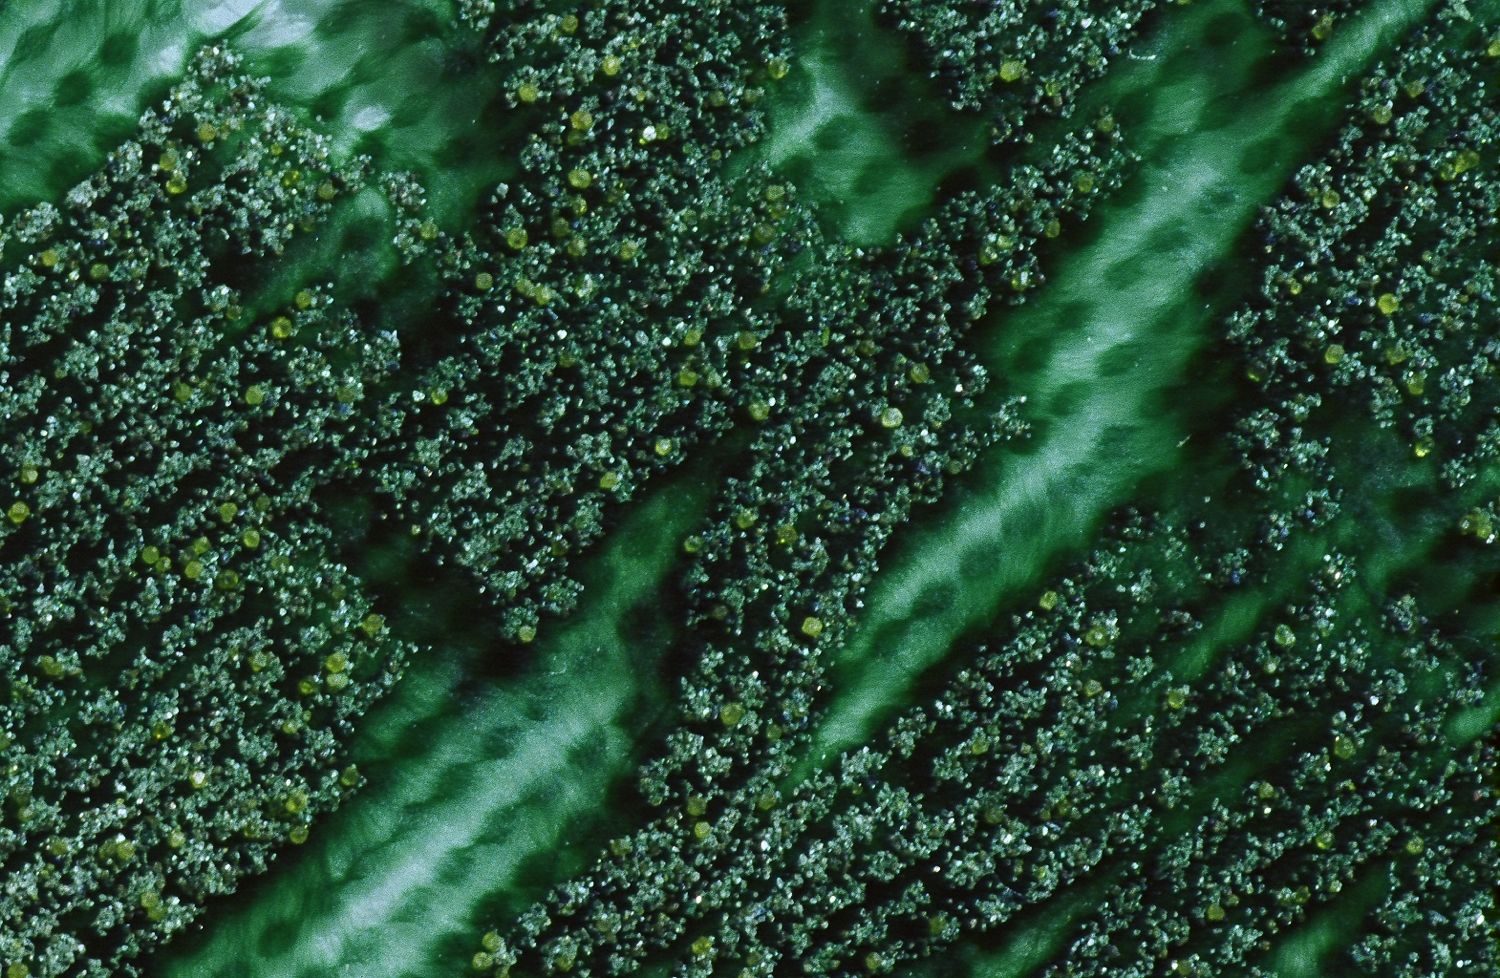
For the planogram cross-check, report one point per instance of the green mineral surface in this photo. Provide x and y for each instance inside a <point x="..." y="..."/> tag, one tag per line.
<point x="729" y="487"/>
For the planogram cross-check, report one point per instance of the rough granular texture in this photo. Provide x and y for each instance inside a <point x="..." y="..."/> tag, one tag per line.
<point x="384" y="327"/>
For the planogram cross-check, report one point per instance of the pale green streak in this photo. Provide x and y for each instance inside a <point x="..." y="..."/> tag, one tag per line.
<point x="386" y="84"/>
<point x="843" y="116"/>
<point x="402" y="879"/>
<point x="1121" y="317"/>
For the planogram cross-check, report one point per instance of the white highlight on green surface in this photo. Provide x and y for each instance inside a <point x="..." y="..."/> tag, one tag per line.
<point x="390" y="885"/>
<point x="1103" y="430"/>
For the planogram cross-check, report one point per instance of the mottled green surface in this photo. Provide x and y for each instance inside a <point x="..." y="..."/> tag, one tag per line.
<point x="497" y="771"/>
